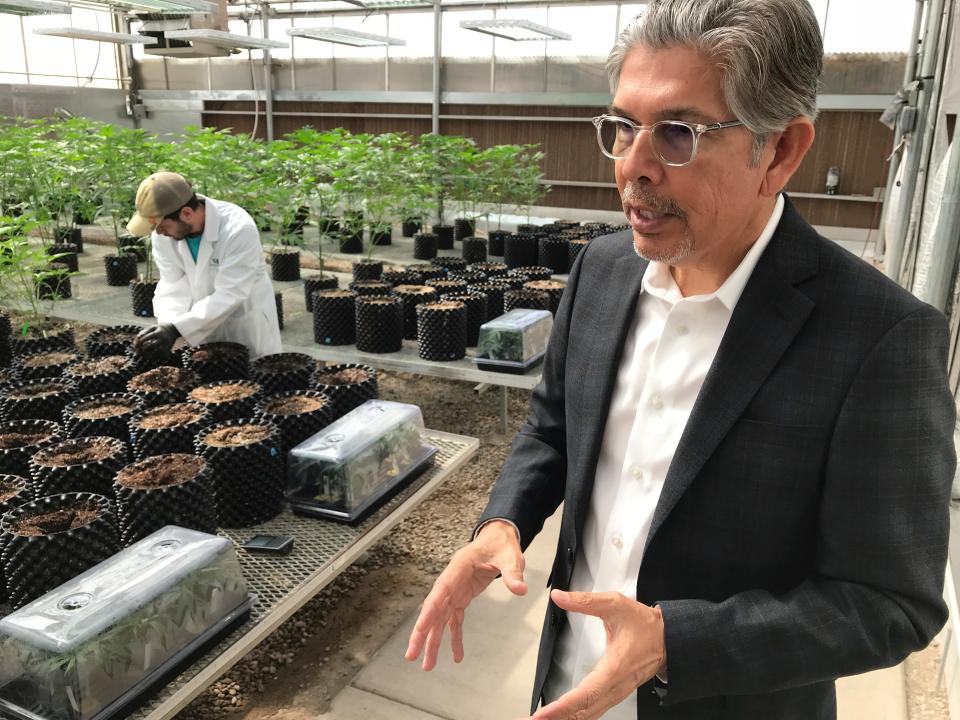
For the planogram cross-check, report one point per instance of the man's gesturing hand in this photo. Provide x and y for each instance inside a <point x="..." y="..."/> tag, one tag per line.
<point x="635" y="652"/>
<point x="495" y="550"/>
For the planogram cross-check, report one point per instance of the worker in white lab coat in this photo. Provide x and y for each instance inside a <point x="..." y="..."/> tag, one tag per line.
<point x="213" y="282"/>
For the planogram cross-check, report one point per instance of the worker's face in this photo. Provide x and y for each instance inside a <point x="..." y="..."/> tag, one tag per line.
<point x="179" y="227"/>
<point x="683" y="215"/>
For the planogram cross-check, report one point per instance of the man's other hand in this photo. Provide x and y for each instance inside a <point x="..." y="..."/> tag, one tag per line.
<point x="156" y="341"/>
<point x="636" y="651"/>
<point x="494" y="551"/>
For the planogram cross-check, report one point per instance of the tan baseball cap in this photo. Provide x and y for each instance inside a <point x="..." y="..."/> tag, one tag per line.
<point x="160" y="194"/>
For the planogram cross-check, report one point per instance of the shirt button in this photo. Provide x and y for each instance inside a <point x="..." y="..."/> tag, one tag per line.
<point x="617" y="541"/>
<point x="656" y="402"/>
<point x="636" y="472"/>
<point x="682" y="329"/>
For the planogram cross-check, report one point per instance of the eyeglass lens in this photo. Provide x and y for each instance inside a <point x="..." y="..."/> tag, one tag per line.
<point x="673" y="142"/>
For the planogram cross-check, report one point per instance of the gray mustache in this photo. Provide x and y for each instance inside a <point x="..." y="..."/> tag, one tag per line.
<point x="640" y="194"/>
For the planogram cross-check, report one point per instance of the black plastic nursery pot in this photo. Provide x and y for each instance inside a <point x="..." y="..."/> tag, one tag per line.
<point x="53" y="283"/>
<point x="70" y="236"/>
<point x="494" y="295"/>
<point x="227" y="399"/>
<point x="471" y="277"/>
<point x="379" y="324"/>
<point x="523" y="298"/>
<point x="53" y="539"/>
<point x="315" y="284"/>
<point x="247" y="469"/>
<point x="529" y="228"/>
<point x="425" y="245"/>
<point x="84" y="464"/>
<point x="411" y="296"/>
<point x="58" y="339"/>
<point x="100" y="375"/>
<point x="42" y="399"/>
<point x="410" y="227"/>
<point x="217" y="361"/>
<point x="111" y="340"/>
<point x="474" y="249"/>
<point x="298" y="415"/>
<point x="132" y="246"/>
<point x="278" y="302"/>
<point x="67" y="253"/>
<point x="427" y="271"/>
<point x="532" y="272"/>
<point x="476" y="304"/>
<point x="367" y="269"/>
<point x="444" y="235"/>
<point x="328" y="226"/>
<point x="520" y="250"/>
<point x="449" y="263"/>
<point x="299" y="221"/>
<point x="490" y="269"/>
<point x="171" y="489"/>
<point x="553" y="289"/>
<point x="120" y="269"/>
<point x="347" y="386"/>
<point x="574" y="248"/>
<point x="282" y="372"/>
<point x="45" y="364"/>
<point x="447" y="285"/>
<point x="495" y="242"/>
<point x="402" y="277"/>
<point x="381" y="235"/>
<point x="141" y="297"/>
<point x="554" y="253"/>
<point x="285" y="264"/>
<point x="106" y="415"/>
<point x="464" y="228"/>
<point x="351" y="242"/>
<point x="167" y="429"/>
<point x="14" y="491"/>
<point x="6" y="354"/>
<point x="367" y="288"/>
<point x="334" y="321"/>
<point x="9" y="376"/>
<point x="163" y="385"/>
<point x="442" y="330"/>
<point x="20" y="440"/>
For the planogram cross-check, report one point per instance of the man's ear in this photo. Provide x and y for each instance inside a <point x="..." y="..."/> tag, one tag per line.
<point x="789" y="146"/>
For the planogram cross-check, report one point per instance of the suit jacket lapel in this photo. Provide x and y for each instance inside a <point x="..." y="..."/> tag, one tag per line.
<point x="767" y="318"/>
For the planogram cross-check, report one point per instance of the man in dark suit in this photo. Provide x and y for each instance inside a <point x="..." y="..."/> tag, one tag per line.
<point x="749" y="428"/>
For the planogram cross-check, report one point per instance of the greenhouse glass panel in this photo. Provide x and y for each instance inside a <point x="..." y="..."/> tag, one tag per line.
<point x="306" y="49"/>
<point x="49" y="55"/>
<point x="416" y="29"/>
<point x="278" y="31"/>
<point x="529" y="48"/>
<point x="372" y="24"/>
<point x="458" y="42"/>
<point x="629" y="11"/>
<point x="96" y="61"/>
<point x="850" y="28"/>
<point x="593" y="43"/>
<point x="13" y="78"/>
<point x="11" y="59"/>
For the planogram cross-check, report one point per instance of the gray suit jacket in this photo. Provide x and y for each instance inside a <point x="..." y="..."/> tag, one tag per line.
<point x="801" y="534"/>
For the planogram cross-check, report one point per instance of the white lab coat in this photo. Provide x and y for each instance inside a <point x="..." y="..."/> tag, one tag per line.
<point x="226" y="295"/>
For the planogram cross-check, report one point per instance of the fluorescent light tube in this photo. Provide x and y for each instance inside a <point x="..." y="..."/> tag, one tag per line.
<point x="98" y="35"/>
<point x="345" y="37"/>
<point x="515" y="29"/>
<point x="33" y="7"/>
<point x="225" y="39"/>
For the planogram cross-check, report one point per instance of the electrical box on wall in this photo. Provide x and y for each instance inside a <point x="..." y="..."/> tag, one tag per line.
<point x="157" y="26"/>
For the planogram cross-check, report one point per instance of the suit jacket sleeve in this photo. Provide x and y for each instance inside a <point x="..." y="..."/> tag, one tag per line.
<point x="876" y="592"/>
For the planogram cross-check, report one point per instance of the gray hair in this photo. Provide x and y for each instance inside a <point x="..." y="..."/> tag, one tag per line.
<point x="770" y="54"/>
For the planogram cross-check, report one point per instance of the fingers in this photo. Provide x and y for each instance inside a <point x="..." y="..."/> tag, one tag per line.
<point x="456" y="635"/>
<point x="600" y="605"/>
<point x="588" y="701"/>
<point x="512" y="575"/>
<point x="433" y="647"/>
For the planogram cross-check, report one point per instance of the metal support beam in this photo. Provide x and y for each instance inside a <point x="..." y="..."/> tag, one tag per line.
<point x="437" y="49"/>
<point x="946" y="240"/>
<point x="267" y="72"/>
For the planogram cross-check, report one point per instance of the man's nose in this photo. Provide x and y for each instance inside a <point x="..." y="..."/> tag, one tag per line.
<point x="641" y="160"/>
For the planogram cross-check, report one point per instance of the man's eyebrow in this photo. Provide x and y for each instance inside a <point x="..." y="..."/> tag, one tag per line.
<point x="688" y="113"/>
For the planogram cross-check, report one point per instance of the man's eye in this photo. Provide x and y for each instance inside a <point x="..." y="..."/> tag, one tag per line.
<point x="624" y="128"/>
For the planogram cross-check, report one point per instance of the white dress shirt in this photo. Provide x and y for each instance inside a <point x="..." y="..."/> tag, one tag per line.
<point x="668" y="350"/>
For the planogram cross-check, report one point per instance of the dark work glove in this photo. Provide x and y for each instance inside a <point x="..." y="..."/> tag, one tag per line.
<point x="155" y="342"/>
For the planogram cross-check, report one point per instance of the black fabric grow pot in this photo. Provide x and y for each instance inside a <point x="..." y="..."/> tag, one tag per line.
<point x="447" y="285"/>
<point x="68" y="255"/>
<point x="367" y="269"/>
<point x="410" y="227"/>
<point x="463" y="228"/>
<point x="162" y="385"/>
<point x="442" y="330"/>
<point x="282" y="372"/>
<point x="328" y="226"/>
<point x="520" y="250"/>
<point x="532" y="299"/>
<point x="171" y="489"/>
<point x="57" y="285"/>
<point x="106" y="415"/>
<point x="285" y="264"/>
<point x="71" y="236"/>
<point x="167" y="429"/>
<point x="100" y="375"/>
<point x="444" y="235"/>
<point x="278" y="302"/>
<point x="53" y="539"/>
<point x="84" y="464"/>
<point x="247" y="466"/>
<point x="367" y="288"/>
<point x="532" y="272"/>
<point x="42" y="399"/>
<point x="553" y="289"/>
<point x="227" y="399"/>
<point x="379" y="324"/>
<point x="510" y="282"/>
<point x="471" y="277"/>
<point x="347" y="386"/>
<point x="20" y="440"/>
<point x="425" y="245"/>
<point x="315" y="284"/>
<point x="428" y="271"/>
<point x="474" y="249"/>
<point x="298" y="415"/>
<point x="217" y="361"/>
<point x="351" y="242"/>
<point x="14" y="491"/>
<point x="495" y="242"/>
<point x="381" y="235"/>
<point x="111" y="340"/>
<point x="574" y="248"/>
<point x="402" y="277"/>
<point x="494" y="295"/>
<point x="411" y="296"/>
<point x="490" y="269"/>
<point x="476" y="304"/>
<point x="554" y="253"/>
<point x="449" y="263"/>
<point x="45" y="364"/>
<point x="61" y="339"/>
<point x="141" y="297"/>
<point x="6" y="354"/>
<point x="528" y="228"/>
<point x="333" y="317"/>
<point x="9" y="377"/>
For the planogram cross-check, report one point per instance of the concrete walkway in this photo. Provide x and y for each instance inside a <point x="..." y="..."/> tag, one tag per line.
<point x="500" y="639"/>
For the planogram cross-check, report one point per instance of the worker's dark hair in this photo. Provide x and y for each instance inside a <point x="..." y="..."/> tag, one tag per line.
<point x="193" y="203"/>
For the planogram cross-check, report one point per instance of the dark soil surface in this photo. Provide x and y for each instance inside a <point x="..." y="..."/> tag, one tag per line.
<point x="9" y="489"/>
<point x="379" y="300"/>
<point x="335" y="293"/>
<point x="36" y="391"/>
<point x="294" y="405"/>
<point x="77" y="452"/>
<point x="16" y="439"/>
<point x="99" y="409"/>
<point x="545" y="285"/>
<point x="167" y="416"/>
<point x="161" y="378"/>
<point x="48" y="359"/>
<point x="222" y="393"/>
<point x="443" y="305"/>
<point x="237" y="435"/>
<point x="53" y="522"/>
<point x="214" y="352"/>
<point x="347" y="376"/>
<point x="112" y="336"/>
<point x="161" y="471"/>
<point x="100" y="366"/>
<point x="414" y="290"/>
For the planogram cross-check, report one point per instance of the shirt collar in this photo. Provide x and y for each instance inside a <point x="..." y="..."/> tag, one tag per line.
<point x="658" y="280"/>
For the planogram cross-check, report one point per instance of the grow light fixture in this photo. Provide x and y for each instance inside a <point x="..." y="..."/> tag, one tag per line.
<point x="98" y="35"/>
<point x="225" y="39"/>
<point x="33" y="7"/>
<point x="515" y="29"/>
<point x="180" y="7"/>
<point x="345" y="37"/>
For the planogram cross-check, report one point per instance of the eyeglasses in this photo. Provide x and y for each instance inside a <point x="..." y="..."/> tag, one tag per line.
<point x="674" y="141"/>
